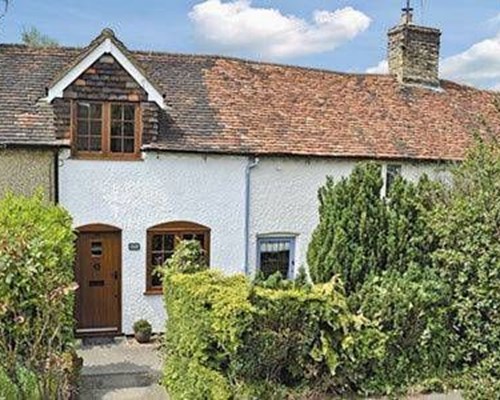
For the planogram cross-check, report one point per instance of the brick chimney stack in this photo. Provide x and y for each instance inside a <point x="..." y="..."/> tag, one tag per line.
<point x="414" y="52"/>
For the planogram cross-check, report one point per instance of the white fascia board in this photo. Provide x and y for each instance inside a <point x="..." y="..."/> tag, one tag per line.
<point x="106" y="47"/>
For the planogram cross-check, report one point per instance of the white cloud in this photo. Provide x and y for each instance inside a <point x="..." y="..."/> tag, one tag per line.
<point x="238" y="27"/>
<point x="381" y="68"/>
<point x="478" y="66"/>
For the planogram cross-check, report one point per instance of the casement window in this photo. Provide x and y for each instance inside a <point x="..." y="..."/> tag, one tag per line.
<point x="161" y="243"/>
<point x="392" y="172"/>
<point x="276" y="254"/>
<point x="106" y="130"/>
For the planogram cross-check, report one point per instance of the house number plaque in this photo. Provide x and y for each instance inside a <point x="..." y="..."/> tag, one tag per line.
<point x="134" y="246"/>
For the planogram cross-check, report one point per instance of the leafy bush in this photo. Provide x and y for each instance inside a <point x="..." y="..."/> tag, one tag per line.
<point x="207" y="317"/>
<point x="467" y="225"/>
<point x="411" y="308"/>
<point x="36" y="295"/>
<point x="230" y="336"/>
<point x="189" y="257"/>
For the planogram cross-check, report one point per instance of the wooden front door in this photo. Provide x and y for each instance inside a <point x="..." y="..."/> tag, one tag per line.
<point x="98" y="273"/>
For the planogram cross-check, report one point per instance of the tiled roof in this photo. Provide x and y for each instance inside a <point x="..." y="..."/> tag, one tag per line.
<point x="225" y="105"/>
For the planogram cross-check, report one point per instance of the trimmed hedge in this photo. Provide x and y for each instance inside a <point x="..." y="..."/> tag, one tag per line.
<point x="36" y="299"/>
<point x="226" y="337"/>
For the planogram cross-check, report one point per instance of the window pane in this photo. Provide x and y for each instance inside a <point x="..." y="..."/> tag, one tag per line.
<point x="156" y="242"/>
<point x="275" y="257"/>
<point x="95" y="110"/>
<point x="116" y="129"/>
<point x="157" y="258"/>
<point x="128" y="145"/>
<point x="168" y="242"/>
<point x="82" y="143"/>
<point x="188" y="236"/>
<point x="116" y="112"/>
<point x="95" y="143"/>
<point x="95" y="128"/>
<point x="116" y="145"/>
<point x="129" y="113"/>
<point x="156" y="280"/>
<point x="128" y="129"/>
<point x="96" y="249"/>
<point x="83" y="110"/>
<point x="82" y="127"/>
<point x="200" y="238"/>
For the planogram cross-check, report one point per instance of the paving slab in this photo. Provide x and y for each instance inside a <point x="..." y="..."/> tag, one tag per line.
<point x="153" y="392"/>
<point x="120" y="369"/>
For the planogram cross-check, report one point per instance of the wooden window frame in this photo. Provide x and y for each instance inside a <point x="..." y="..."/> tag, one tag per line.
<point x="176" y="228"/>
<point x="105" y="153"/>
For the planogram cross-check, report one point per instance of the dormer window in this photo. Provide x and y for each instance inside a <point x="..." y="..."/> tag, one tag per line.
<point x="106" y="130"/>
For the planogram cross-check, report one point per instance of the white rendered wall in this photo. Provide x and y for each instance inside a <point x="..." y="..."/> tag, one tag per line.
<point x="284" y="197"/>
<point x="134" y="196"/>
<point x="209" y="190"/>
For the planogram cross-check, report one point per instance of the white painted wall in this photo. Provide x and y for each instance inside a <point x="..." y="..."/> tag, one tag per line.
<point x="209" y="190"/>
<point x="134" y="196"/>
<point x="284" y="197"/>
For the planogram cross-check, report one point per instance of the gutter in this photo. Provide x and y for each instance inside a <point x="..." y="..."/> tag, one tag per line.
<point x="252" y="163"/>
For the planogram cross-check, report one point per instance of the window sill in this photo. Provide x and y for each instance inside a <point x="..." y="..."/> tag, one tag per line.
<point x="98" y="157"/>
<point x="153" y="293"/>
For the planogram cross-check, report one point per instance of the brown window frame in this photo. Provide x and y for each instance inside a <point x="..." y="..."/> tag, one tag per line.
<point x="178" y="229"/>
<point x="105" y="152"/>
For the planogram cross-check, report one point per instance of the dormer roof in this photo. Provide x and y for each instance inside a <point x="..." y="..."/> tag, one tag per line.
<point x="105" y="43"/>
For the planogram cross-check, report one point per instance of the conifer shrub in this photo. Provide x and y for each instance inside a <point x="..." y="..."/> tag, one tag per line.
<point x="361" y="234"/>
<point x="36" y="298"/>
<point x="349" y="239"/>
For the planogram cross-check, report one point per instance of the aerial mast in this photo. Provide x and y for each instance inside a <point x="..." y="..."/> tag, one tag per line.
<point x="408" y="13"/>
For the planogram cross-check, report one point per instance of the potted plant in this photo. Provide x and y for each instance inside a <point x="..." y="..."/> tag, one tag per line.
<point x="142" y="331"/>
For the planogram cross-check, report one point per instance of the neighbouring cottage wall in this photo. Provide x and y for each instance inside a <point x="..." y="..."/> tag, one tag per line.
<point x="285" y="202"/>
<point x="25" y="171"/>
<point x="133" y="196"/>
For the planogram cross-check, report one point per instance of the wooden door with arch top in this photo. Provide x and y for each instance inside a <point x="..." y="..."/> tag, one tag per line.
<point x="98" y="273"/>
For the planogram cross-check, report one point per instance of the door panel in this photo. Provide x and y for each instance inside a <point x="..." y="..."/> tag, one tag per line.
<point x="98" y="271"/>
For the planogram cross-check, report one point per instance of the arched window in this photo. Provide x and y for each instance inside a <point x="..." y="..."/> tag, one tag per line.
<point x="161" y="243"/>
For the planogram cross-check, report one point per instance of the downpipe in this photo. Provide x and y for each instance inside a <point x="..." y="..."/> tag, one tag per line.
<point x="252" y="163"/>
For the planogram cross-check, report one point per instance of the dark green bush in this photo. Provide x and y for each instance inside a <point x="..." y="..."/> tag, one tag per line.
<point x="349" y="240"/>
<point x="36" y="295"/>
<point x="360" y="233"/>
<point x="143" y="326"/>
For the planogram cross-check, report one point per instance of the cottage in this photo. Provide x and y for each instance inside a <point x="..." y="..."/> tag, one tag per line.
<point x="146" y="148"/>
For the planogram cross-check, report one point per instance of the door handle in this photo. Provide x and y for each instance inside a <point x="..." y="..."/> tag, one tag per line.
<point x="115" y="275"/>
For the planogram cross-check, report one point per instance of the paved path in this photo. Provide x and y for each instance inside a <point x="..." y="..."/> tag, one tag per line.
<point x="121" y="369"/>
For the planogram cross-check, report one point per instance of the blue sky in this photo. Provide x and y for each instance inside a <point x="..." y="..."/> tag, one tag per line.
<point x="343" y="35"/>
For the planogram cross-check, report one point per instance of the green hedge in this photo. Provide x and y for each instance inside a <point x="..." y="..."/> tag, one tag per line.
<point x="36" y="298"/>
<point x="226" y="337"/>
